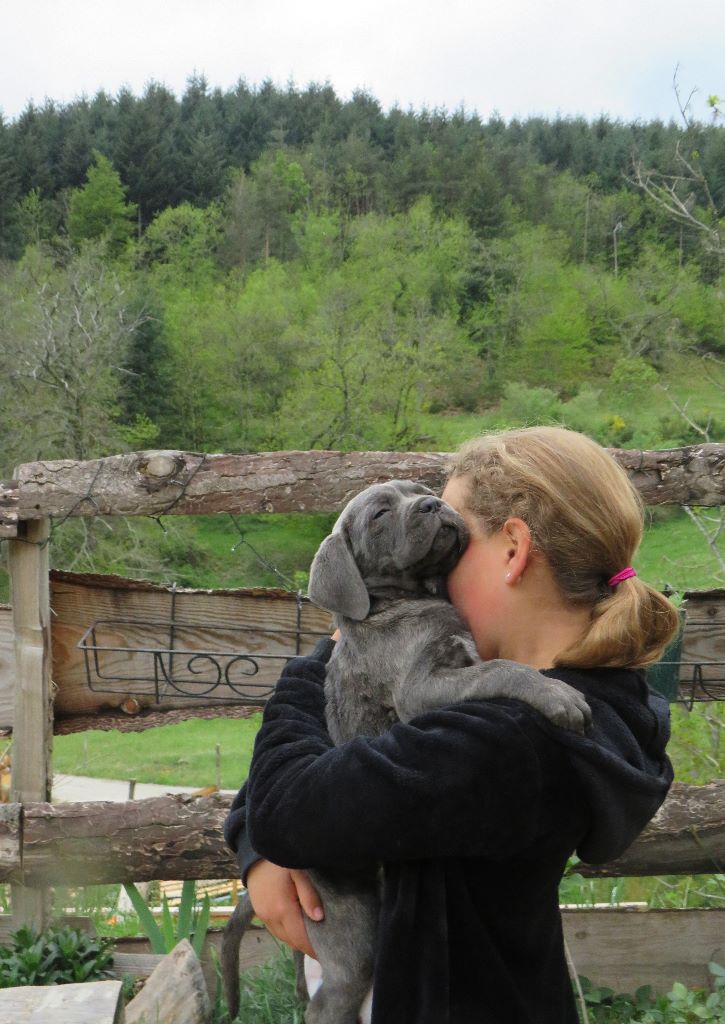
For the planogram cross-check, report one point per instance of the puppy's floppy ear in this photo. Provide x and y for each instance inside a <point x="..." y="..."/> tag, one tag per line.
<point x="335" y="580"/>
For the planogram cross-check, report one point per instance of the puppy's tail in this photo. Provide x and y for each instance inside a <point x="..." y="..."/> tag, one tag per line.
<point x="231" y="940"/>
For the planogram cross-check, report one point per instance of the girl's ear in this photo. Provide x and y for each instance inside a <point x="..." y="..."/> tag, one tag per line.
<point x="517" y="537"/>
<point x="335" y="580"/>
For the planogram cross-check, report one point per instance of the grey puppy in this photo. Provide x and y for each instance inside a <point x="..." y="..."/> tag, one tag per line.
<point x="403" y="650"/>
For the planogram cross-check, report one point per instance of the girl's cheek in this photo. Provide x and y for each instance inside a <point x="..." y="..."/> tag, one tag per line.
<point x="459" y="587"/>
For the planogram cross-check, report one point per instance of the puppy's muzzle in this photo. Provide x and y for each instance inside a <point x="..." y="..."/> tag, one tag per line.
<point x="430" y="504"/>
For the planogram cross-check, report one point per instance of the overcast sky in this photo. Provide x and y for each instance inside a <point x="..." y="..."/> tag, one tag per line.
<point x="517" y="57"/>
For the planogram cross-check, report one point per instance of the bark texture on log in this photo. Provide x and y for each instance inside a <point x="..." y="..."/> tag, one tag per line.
<point x="686" y="836"/>
<point x="9" y="495"/>
<point x="172" y="482"/>
<point x="167" y="837"/>
<point x="180" y="836"/>
<point x="694" y="475"/>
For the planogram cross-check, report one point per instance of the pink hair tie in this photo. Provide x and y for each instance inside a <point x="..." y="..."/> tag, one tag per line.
<point x="625" y="574"/>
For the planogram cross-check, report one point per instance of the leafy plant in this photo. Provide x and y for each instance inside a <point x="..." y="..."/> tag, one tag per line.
<point x="163" y="938"/>
<point x="58" y="956"/>
<point x="680" y="1005"/>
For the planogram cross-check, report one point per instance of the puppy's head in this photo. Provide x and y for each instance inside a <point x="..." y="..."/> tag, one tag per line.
<point x="391" y="536"/>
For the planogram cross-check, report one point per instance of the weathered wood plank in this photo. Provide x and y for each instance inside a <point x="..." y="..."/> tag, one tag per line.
<point x="93" y="1002"/>
<point x="84" y="924"/>
<point x="624" y="949"/>
<point x="621" y="949"/>
<point x="180" y="836"/>
<point x="33" y="714"/>
<point x="7" y="667"/>
<point x="184" y="483"/>
<point x="703" y="645"/>
<point x="28" y="561"/>
<point x="135" y="616"/>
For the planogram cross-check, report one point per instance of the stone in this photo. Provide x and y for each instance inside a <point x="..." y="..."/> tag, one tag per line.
<point x="175" y="992"/>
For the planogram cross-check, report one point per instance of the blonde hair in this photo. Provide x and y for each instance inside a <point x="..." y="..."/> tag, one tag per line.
<point x="586" y="518"/>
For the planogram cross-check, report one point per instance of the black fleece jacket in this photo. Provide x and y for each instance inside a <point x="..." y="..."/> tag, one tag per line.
<point x="473" y="810"/>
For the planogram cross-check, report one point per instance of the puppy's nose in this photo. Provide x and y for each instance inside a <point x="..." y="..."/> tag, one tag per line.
<point x="430" y="504"/>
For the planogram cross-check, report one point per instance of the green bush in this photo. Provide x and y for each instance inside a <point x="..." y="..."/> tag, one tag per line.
<point x="680" y="1005"/>
<point x="58" y="956"/>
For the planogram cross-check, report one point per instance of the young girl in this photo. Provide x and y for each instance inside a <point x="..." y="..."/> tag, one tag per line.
<point x="474" y="809"/>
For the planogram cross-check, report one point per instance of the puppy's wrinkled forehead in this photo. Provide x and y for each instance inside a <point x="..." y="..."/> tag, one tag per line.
<point x="378" y="497"/>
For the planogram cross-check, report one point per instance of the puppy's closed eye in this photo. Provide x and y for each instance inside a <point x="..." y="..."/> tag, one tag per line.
<point x="380" y="512"/>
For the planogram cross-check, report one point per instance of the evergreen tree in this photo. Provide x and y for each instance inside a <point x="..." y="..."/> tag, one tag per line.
<point x="145" y="152"/>
<point x="201" y="144"/>
<point x="9" y="193"/>
<point x="99" y="209"/>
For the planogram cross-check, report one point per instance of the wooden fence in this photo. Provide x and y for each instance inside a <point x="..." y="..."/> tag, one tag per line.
<point x="122" y="648"/>
<point x="42" y="845"/>
<point x="129" y="653"/>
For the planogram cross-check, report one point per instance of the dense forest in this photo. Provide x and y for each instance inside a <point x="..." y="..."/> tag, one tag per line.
<point x="269" y="267"/>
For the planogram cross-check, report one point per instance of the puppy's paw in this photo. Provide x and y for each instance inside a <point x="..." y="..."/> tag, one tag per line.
<point x="564" y="706"/>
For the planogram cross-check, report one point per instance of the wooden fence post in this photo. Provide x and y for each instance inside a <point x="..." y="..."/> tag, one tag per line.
<point x="33" y="719"/>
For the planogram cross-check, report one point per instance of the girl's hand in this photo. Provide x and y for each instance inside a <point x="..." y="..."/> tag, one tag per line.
<point x="279" y="897"/>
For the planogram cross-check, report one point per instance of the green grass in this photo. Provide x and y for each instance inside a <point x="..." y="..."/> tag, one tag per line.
<point x="267" y="994"/>
<point x="674" y="553"/>
<point x="176" y="755"/>
<point x="274" y="550"/>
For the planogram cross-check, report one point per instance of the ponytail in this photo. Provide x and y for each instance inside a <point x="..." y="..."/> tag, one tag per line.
<point x="631" y="627"/>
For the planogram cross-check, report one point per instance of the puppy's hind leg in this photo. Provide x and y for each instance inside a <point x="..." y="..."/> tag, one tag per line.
<point x="346" y="949"/>
<point x="338" y="1000"/>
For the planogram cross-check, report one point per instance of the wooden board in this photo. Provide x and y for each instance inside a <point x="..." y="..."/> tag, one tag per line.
<point x="132" y="956"/>
<point x="7" y="667"/>
<point x="33" y="714"/>
<point x="84" y="924"/>
<point x="93" y="1002"/>
<point x="704" y="645"/>
<point x="624" y="949"/>
<point x="136" y="616"/>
